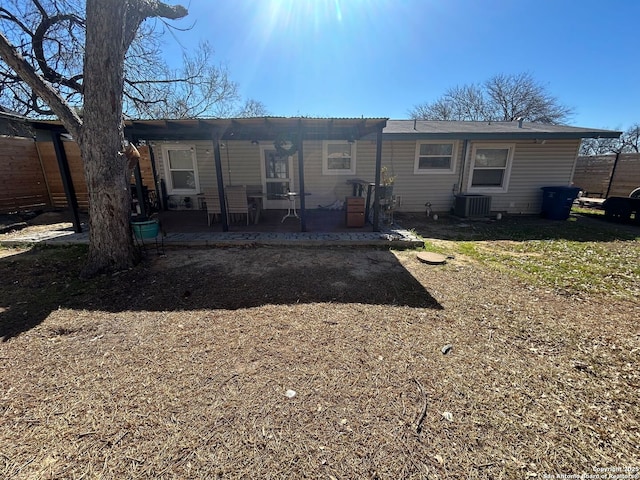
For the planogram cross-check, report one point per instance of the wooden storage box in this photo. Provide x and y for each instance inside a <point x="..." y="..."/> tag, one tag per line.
<point x="355" y="211"/>
<point x="355" y="203"/>
<point x="355" y="219"/>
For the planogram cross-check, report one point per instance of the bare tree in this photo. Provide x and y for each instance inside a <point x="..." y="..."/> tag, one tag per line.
<point x="599" y="146"/>
<point x="629" y="142"/>
<point x="111" y="26"/>
<point x="440" y="109"/>
<point x="200" y="88"/>
<point x="50" y="39"/>
<point x="50" y="35"/>
<point x="500" y="98"/>
<point x="632" y="138"/>
<point x="251" y="108"/>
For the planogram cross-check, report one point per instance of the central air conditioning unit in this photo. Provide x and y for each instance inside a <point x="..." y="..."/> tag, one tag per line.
<point x="468" y="205"/>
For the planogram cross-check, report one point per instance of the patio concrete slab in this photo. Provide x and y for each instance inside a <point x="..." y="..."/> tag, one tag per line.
<point x="391" y="237"/>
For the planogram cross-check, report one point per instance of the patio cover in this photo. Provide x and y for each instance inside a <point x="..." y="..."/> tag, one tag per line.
<point x="254" y="128"/>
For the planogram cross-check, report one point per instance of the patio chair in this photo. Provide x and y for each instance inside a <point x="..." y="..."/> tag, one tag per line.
<point x="237" y="201"/>
<point x="213" y="206"/>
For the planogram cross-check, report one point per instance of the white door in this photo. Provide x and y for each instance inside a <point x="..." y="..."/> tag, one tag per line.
<point x="277" y="178"/>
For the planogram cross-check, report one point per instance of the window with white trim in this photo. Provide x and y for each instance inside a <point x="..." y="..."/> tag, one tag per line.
<point x="338" y="157"/>
<point x="181" y="169"/>
<point x="435" y="157"/>
<point x="490" y="167"/>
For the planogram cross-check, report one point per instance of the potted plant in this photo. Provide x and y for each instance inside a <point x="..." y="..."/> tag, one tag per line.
<point x="145" y="227"/>
<point x="386" y="183"/>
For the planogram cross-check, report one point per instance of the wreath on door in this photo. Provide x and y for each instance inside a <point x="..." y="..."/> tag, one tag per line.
<point x="286" y="145"/>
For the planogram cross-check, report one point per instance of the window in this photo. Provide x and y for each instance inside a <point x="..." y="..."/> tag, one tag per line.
<point x="338" y="157"/>
<point x="435" y="157"/>
<point x="490" y="167"/>
<point x="181" y="168"/>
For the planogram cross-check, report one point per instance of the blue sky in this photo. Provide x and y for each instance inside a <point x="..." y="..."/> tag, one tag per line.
<point x="378" y="58"/>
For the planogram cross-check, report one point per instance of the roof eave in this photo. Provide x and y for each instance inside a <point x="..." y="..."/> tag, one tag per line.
<point x="501" y="136"/>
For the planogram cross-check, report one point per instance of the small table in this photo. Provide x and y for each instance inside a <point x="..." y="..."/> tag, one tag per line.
<point x="291" y="212"/>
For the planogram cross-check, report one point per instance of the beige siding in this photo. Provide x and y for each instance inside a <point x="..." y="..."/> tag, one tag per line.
<point x="413" y="190"/>
<point x="534" y="165"/>
<point x="205" y="164"/>
<point x="399" y="158"/>
<point x="326" y="189"/>
<point x="241" y="166"/>
<point x="241" y="163"/>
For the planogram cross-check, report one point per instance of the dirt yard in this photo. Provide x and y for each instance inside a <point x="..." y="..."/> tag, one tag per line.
<point x="306" y="363"/>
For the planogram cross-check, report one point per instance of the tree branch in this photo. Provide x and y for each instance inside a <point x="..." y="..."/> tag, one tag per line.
<point x="17" y="62"/>
<point x="6" y="15"/>
<point x="38" y="48"/>
<point x="142" y="9"/>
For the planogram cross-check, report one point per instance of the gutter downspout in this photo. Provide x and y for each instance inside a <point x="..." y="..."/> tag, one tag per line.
<point x="465" y="152"/>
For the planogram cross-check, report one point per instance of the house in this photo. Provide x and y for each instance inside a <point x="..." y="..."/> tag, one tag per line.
<point x="436" y="162"/>
<point x="432" y="161"/>
<point x="501" y="164"/>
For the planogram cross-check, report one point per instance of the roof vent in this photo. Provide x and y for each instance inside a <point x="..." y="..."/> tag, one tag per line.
<point x="520" y="119"/>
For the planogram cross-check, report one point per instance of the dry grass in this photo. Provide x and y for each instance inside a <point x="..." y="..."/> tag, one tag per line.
<point x="180" y="369"/>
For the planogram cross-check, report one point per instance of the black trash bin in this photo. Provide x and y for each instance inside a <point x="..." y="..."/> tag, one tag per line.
<point x="557" y="201"/>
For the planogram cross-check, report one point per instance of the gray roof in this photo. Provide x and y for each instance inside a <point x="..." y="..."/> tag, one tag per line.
<point x="250" y="128"/>
<point x="326" y="128"/>
<point x="397" y="129"/>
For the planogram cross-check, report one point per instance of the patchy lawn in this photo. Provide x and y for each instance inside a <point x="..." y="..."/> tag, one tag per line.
<point x="186" y="366"/>
<point x="582" y="256"/>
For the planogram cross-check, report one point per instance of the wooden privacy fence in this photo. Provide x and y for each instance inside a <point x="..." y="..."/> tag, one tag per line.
<point x="593" y="174"/>
<point x="24" y="185"/>
<point x="32" y="179"/>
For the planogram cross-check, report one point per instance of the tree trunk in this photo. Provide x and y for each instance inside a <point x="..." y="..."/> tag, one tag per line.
<point x="101" y="141"/>
<point x="111" y="26"/>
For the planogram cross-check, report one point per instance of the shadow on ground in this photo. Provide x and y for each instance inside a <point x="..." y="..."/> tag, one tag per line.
<point x="581" y="228"/>
<point x="37" y="282"/>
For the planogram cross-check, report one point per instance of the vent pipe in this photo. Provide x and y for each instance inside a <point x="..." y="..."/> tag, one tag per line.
<point x="520" y="119"/>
